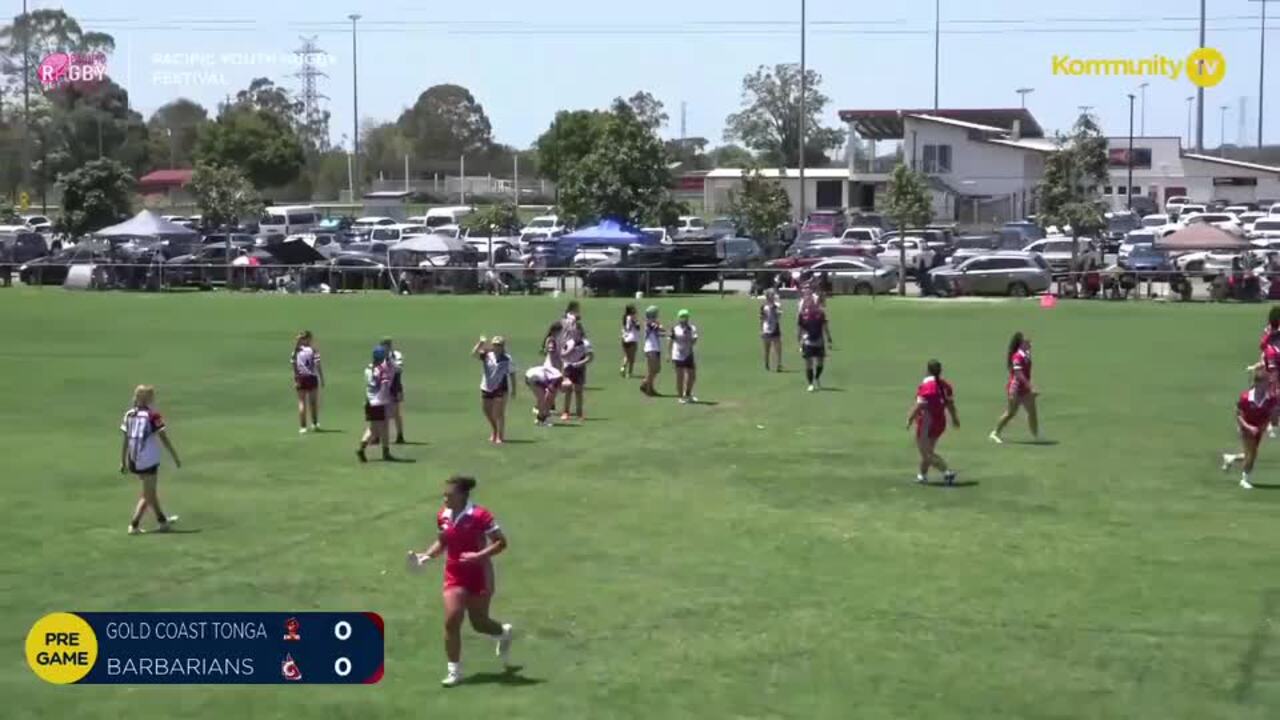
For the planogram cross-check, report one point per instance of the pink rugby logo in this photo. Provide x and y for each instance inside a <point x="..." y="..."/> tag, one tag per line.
<point x="58" y="68"/>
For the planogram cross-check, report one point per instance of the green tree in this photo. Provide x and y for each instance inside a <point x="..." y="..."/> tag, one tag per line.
<point x="731" y="156"/>
<point x="94" y="196"/>
<point x="648" y="109"/>
<point x="769" y="121"/>
<point x="224" y="195"/>
<point x="446" y="123"/>
<point x="760" y="207"/>
<point x="41" y="33"/>
<point x="1070" y="193"/>
<point x="174" y="129"/>
<point x="571" y="137"/>
<point x="624" y="176"/>
<point x="91" y="120"/>
<point x="907" y="204"/>
<point x="259" y="142"/>
<point x="498" y="219"/>
<point x="689" y="152"/>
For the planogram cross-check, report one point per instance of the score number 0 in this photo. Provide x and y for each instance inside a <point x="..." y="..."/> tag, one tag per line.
<point x="342" y="631"/>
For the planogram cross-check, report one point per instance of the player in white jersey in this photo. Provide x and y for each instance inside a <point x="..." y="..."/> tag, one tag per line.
<point x="396" y="361"/>
<point x="684" y="335"/>
<point x="653" y="334"/>
<point x="495" y="384"/>
<point x="771" y="329"/>
<point x="378" y="376"/>
<point x="144" y="433"/>
<point x="544" y="382"/>
<point x="631" y="332"/>
<point x="308" y="378"/>
<point x="577" y="356"/>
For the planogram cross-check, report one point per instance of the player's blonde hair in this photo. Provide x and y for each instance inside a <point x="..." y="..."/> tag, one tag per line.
<point x="143" y="395"/>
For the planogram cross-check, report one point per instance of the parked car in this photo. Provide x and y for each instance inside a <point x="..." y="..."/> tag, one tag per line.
<point x="396" y="232"/>
<point x="1248" y="219"/>
<point x="740" y="254"/>
<point x="1191" y="209"/>
<point x="1239" y="209"/>
<point x="204" y="267"/>
<point x="1057" y="252"/>
<point x="722" y="227"/>
<point x="1226" y="221"/>
<point x="358" y="271"/>
<point x="1012" y="274"/>
<point x="1029" y="230"/>
<point x="1274" y="209"/>
<point x="856" y="276"/>
<point x="371" y="247"/>
<point x="53" y="269"/>
<point x="832" y="222"/>
<point x="221" y="239"/>
<point x="1207" y="264"/>
<point x="1153" y="221"/>
<point x="870" y="220"/>
<point x="658" y="235"/>
<point x="1135" y="239"/>
<point x="1174" y="205"/>
<point x="1265" y="229"/>
<point x="813" y="254"/>
<point x="22" y="247"/>
<point x="546" y="224"/>
<point x="1147" y="264"/>
<point x="919" y="257"/>
<point x="1119" y="224"/>
<point x="624" y="275"/>
<point x="861" y="235"/>
<point x="363" y="226"/>
<point x="327" y="244"/>
<point x="971" y="246"/>
<point x="689" y="226"/>
<point x="530" y="236"/>
<point x="39" y="223"/>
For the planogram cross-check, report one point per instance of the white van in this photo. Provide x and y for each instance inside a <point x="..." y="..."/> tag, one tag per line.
<point x="289" y="220"/>
<point x="1275" y="209"/>
<point x="437" y="217"/>
<point x="395" y="233"/>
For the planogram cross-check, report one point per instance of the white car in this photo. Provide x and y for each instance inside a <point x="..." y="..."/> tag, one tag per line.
<point x="364" y="225"/>
<point x="1267" y="229"/>
<point x="1175" y="204"/>
<point x="919" y="256"/>
<point x="545" y="224"/>
<point x="1275" y="209"/>
<point x="1135" y="239"/>
<point x="39" y="223"/>
<point x="1236" y="210"/>
<point x="1207" y="263"/>
<point x="861" y="236"/>
<point x="1191" y="209"/>
<point x="857" y="275"/>
<point x="1225" y="221"/>
<point x="396" y="232"/>
<point x="1153" y="221"/>
<point x="659" y="234"/>
<point x="592" y="256"/>
<point x="1056" y="251"/>
<point x="1248" y="219"/>
<point x="690" y="225"/>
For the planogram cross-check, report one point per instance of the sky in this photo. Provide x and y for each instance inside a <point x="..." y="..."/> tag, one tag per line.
<point x="524" y="61"/>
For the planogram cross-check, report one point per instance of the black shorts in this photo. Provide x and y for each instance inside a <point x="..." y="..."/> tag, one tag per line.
<point x="152" y="470"/>
<point x="576" y="374"/>
<point x="375" y="413"/>
<point x="397" y="389"/>
<point x="629" y="345"/>
<point x="686" y="363"/>
<point x="774" y="335"/>
<point x="816" y="352"/>
<point x="494" y="394"/>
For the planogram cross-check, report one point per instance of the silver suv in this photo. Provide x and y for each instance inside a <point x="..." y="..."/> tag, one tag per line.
<point x="1013" y="274"/>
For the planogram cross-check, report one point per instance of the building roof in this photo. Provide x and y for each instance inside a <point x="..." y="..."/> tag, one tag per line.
<point x="887" y="124"/>
<point x="166" y="178"/>
<point x="841" y="173"/>
<point x="958" y="123"/>
<point x="1036" y="144"/>
<point x="1232" y="163"/>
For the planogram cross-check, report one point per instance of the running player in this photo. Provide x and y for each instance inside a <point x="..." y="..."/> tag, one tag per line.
<point x="653" y="333"/>
<point x="469" y="537"/>
<point x="683" y="338"/>
<point x="630" y="338"/>
<point x="1254" y="410"/>
<point x="814" y="335"/>
<point x="495" y="384"/>
<point x="140" y="455"/>
<point x="378" y="376"/>
<point x="544" y="382"/>
<point x="308" y="378"/>
<point x="771" y="329"/>
<point x="396" y="361"/>
<point x="1020" y="391"/>
<point x="577" y="356"/>
<point x="934" y="401"/>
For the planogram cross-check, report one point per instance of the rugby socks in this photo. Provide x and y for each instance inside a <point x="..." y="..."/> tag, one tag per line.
<point x="808" y="374"/>
<point x="817" y="374"/>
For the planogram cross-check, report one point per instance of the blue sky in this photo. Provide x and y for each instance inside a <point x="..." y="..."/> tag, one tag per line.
<point x="523" y="60"/>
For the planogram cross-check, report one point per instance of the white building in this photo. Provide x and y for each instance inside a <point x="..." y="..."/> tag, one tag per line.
<point x="984" y="165"/>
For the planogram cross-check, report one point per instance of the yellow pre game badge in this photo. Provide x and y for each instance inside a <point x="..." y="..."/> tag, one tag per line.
<point x="61" y="648"/>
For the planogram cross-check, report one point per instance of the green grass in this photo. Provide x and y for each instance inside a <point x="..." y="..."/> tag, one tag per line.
<point x="764" y="557"/>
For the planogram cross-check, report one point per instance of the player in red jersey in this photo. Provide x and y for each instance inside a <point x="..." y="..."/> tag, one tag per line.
<point x="1020" y="391"/>
<point x="1254" y="410"/>
<point x="308" y="378"/>
<point x="468" y="536"/>
<point x="1273" y="326"/>
<point x="934" y="401"/>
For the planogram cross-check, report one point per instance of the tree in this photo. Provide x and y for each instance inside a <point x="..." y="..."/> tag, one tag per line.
<point x="174" y="129"/>
<point x="91" y="120"/>
<point x="731" y="156"/>
<point x="760" y="207"/>
<point x="907" y="204"/>
<point x="624" y="176"/>
<point x="689" y="152"/>
<point x="258" y="142"/>
<point x="571" y="137"/>
<point x="769" y="121"/>
<point x="94" y="196"/>
<point x="1070" y="191"/>
<point x="446" y="123"/>
<point x="224" y="195"/>
<point x="500" y="218"/>
<point x="648" y="109"/>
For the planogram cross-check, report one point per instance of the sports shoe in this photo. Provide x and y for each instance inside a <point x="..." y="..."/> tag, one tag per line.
<point x="360" y="454"/>
<point x="684" y="401"/>
<point x="1244" y="483"/>
<point x="503" y="650"/>
<point x="1227" y="460"/>
<point x="302" y="431"/>
<point x="622" y="371"/>
<point x="811" y="388"/>
<point x="922" y="479"/>
<point x="565" y="417"/>
<point x="453" y="679"/>
<point x="949" y="477"/>
<point x="995" y="438"/>
<point x="315" y="427"/>
<point x="135" y="530"/>
<point x="168" y="524"/>
<point x="693" y="400"/>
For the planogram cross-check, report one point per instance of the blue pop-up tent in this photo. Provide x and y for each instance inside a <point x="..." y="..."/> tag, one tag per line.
<point x="608" y="232"/>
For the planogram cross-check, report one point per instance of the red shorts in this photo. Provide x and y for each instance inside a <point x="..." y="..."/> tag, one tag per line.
<point x="1017" y="391"/>
<point x="932" y="429"/>
<point x="306" y="382"/>
<point x="475" y="579"/>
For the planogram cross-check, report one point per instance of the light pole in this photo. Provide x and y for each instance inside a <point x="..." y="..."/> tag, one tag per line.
<point x="355" y="108"/>
<point x="1128" y="191"/>
<point x="1200" y="94"/>
<point x="26" y="98"/>
<point x="1262" y="65"/>
<point x="1023" y="92"/>
<point x="1222" y="138"/>
<point x="937" y="48"/>
<point x="1190" y="108"/>
<point x="1142" y="90"/>
<point x="803" y="83"/>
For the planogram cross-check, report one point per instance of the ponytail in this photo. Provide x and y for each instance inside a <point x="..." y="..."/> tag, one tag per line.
<point x="556" y="329"/>
<point x="1015" y="344"/>
<point x="935" y="369"/>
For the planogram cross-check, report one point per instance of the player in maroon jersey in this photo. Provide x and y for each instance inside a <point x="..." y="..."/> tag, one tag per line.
<point x="308" y="378"/>
<point x="935" y="399"/>
<point x="469" y="537"/>
<point x="1254" y="409"/>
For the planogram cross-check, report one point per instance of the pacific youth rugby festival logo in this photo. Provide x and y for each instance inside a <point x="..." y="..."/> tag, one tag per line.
<point x="60" y="68"/>
<point x="1204" y="67"/>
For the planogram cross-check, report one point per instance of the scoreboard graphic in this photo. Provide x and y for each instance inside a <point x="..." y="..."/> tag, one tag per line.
<point x="207" y="648"/>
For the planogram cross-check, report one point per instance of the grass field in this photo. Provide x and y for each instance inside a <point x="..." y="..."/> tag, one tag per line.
<point x="767" y="556"/>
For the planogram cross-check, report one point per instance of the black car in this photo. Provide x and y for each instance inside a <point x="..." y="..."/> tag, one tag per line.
<point x="21" y="247"/>
<point x="358" y="271"/>
<point x="53" y="269"/>
<point x="1118" y="226"/>
<point x="236" y="239"/>
<point x="204" y="267"/>
<point x="721" y="228"/>
<point x="637" y="268"/>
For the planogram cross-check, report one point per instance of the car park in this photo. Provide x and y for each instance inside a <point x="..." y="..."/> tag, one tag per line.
<point x="1012" y="274"/>
<point x="690" y="226"/>
<point x="1119" y="224"/>
<point x="1266" y="229"/>
<point x="396" y="232"/>
<point x="1226" y="221"/>
<point x="1057" y="252"/>
<point x="831" y="222"/>
<point x="861" y="235"/>
<point x="1030" y="231"/>
<point x="853" y="276"/>
<point x="22" y="246"/>
<point x="918" y="255"/>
